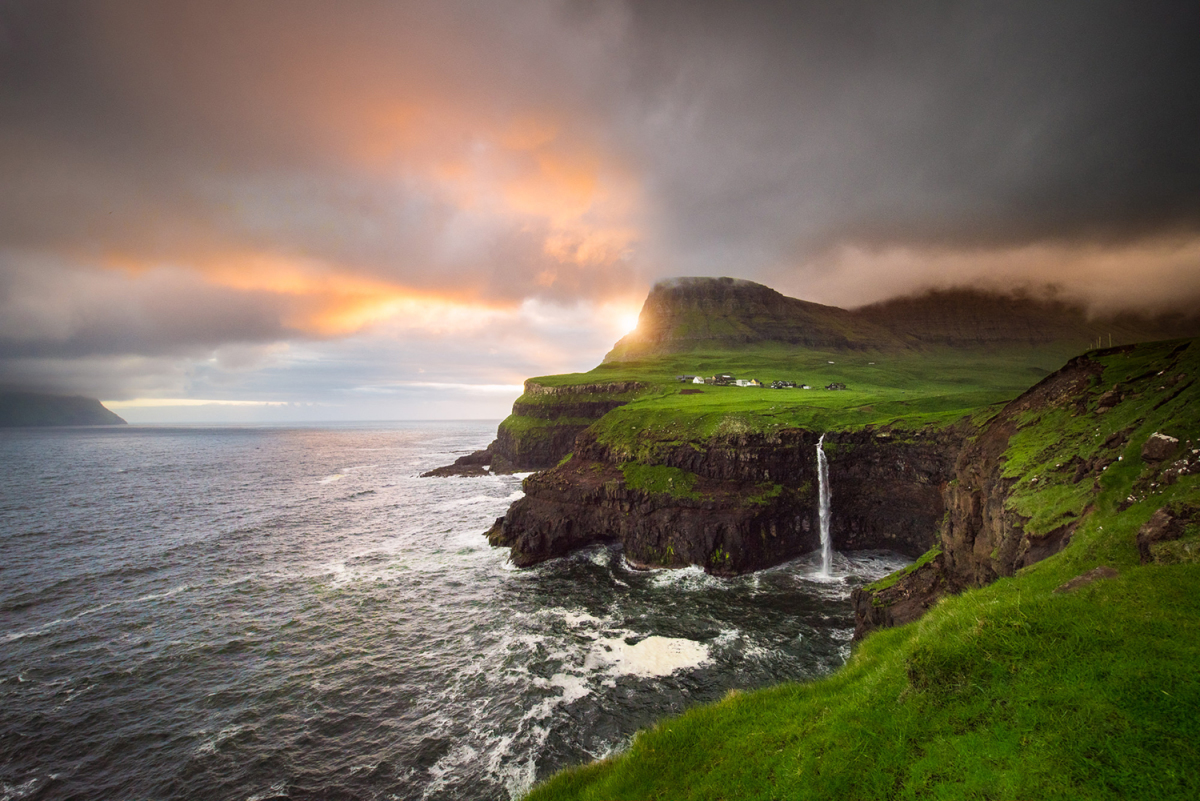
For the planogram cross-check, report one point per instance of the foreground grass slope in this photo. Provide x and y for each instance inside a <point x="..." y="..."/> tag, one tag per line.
<point x="1011" y="691"/>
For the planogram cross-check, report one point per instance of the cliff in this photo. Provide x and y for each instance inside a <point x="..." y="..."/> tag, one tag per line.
<point x="1038" y="468"/>
<point x="737" y="502"/>
<point x="32" y="409"/>
<point x="948" y="341"/>
<point x="543" y="426"/>
<point x="1058" y="608"/>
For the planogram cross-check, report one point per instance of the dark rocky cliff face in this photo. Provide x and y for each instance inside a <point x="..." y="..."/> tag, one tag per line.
<point x="542" y="428"/>
<point x="751" y="501"/>
<point x="981" y="539"/>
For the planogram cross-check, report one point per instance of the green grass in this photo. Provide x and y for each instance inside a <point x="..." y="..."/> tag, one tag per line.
<point x="535" y="427"/>
<point x="889" y="580"/>
<point x="913" y="370"/>
<point x="1008" y="692"/>
<point x="659" y="480"/>
<point x="900" y="389"/>
<point x="1011" y="691"/>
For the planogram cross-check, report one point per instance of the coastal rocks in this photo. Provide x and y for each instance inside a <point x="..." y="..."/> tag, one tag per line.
<point x="905" y="600"/>
<point x="982" y="537"/>
<point x="535" y="447"/>
<point x="543" y="426"/>
<point x="479" y="463"/>
<point x="742" y="503"/>
<point x="712" y="524"/>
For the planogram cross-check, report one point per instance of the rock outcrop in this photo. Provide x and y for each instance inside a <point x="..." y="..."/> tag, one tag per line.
<point x="543" y="426"/>
<point x="981" y="537"/>
<point x="738" y="503"/>
<point x="1164" y="537"/>
<point x="985" y="537"/>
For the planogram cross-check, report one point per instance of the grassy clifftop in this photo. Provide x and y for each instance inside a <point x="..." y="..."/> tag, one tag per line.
<point x="1042" y="685"/>
<point x="907" y="363"/>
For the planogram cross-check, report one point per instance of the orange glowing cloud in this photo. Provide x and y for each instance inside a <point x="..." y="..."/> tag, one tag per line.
<point x="527" y="170"/>
<point x="329" y="300"/>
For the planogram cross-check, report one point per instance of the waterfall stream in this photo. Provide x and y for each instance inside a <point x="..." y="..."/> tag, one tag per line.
<point x="826" y="495"/>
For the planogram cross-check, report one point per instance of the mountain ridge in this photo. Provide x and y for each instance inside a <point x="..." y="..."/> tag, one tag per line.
<point x="685" y="314"/>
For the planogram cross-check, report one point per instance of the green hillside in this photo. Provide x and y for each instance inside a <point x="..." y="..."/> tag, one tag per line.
<point x="905" y="362"/>
<point x="1026" y="688"/>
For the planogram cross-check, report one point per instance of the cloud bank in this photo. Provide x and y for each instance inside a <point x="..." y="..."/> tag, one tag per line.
<point x="294" y="203"/>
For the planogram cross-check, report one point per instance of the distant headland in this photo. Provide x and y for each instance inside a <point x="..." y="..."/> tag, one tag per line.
<point x="37" y="409"/>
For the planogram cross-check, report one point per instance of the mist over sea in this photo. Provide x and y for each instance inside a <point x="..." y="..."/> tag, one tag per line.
<point x="252" y="613"/>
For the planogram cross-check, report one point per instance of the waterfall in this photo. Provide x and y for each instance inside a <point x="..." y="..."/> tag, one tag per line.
<point x="826" y="495"/>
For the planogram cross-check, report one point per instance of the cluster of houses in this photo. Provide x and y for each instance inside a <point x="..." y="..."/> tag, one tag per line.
<point x="727" y="380"/>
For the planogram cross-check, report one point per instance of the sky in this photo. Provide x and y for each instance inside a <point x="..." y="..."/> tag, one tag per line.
<point x="284" y="211"/>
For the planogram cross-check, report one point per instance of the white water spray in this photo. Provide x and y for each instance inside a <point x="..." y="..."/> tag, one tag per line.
<point x="826" y="495"/>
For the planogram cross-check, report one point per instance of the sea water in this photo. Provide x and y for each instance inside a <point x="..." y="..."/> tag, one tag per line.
<point x="248" y="613"/>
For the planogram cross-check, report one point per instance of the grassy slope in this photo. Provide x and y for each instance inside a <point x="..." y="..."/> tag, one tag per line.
<point x="903" y="388"/>
<point x="1007" y="692"/>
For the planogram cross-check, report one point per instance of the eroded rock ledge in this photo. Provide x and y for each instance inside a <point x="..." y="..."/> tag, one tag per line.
<point x="736" y="504"/>
<point x="542" y="428"/>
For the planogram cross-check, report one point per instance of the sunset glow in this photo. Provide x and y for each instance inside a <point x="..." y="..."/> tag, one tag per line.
<point x="268" y="201"/>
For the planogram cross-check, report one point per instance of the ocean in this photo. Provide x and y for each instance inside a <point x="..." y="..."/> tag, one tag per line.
<point x="261" y="613"/>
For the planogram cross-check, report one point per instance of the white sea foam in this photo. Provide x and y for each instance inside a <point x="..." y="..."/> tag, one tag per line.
<point x="445" y="767"/>
<point x="20" y="635"/>
<point x="573" y="618"/>
<point x="11" y="792"/>
<point x="691" y="578"/>
<point x="573" y="688"/>
<point x="652" y="657"/>
<point x="332" y="478"/>
<point x="275" y="790"/>
<point x="727" y="637"/>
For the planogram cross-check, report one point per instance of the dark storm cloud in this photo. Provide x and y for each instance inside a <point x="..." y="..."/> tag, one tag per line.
<point x="800" y="125"/>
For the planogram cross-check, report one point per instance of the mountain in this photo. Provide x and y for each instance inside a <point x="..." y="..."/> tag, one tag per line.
<point x="683" y="315"/>
<point x="33" y="409"/>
